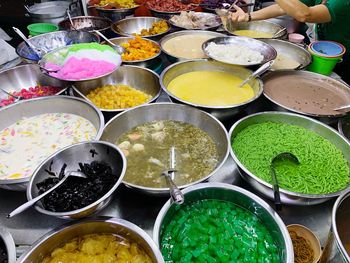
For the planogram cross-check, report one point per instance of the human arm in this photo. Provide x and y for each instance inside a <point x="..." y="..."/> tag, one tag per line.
<point x="265" y="13"/>
<point x="303" y="13"/>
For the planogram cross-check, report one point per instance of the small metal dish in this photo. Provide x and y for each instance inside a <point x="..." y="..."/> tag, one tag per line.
<point x="26" y="76"/>
<point x="149" y="62"/>
<point x="53" y="40"/>
<point x="171" y="57"/>
<point x="139" y="78"/>
<point x="290" y="50"/>
<point x="127" y="120"/>
<point x="87" y="23"/>
<point x="104" y="225"/>
<point x="52" y="104"/>
<point x="116" y="14"/>
<point x="267" y="51"/>
<point x="220" y="112"/>
<point x="288" y="197"/>
<point x="262" y="25"/>
<point x="235" y="195"/>
<point x="71" y="156"/>
<point x="200" y="15"/>
<point x="10" y="246"/>
<point x="129" y="26"/>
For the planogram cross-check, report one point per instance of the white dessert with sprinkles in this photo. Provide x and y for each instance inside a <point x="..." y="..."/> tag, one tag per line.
<point x="29" y="141"/>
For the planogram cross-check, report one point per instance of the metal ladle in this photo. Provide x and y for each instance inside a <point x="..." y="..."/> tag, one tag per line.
<point x="176" y="195"/>
<point x="38" y="51"/>
<point x="17" y="98"/>
<point x="262" y="69"/>
<point x="276" y="192"/>
<point x="31" y="202"/>
<point x="70" y="20"/>
<point x="120" y="50"/>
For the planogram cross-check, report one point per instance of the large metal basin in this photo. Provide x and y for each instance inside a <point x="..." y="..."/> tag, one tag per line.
<point x="265" y="188"/>
<point x="139" y="78"/>
<point x="33" y="107"/>
<point x="26" y="76"/>
<point x="220" y="112"/>
<point x="127" y="120"/>
<point x="104" y="225"/>
<point x="238" y="196"/>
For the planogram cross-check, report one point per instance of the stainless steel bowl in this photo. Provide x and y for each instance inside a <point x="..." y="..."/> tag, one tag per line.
<point x="139" y="78"/>
<point x="26" y="76"/>
<point x="133" y="25"/>
<point x="115" y="14"/>
<point x="265" y="188"/>
<point x="290" y="50"/>
<point x="166" y="15"/>
<point x="87" y="23"/>
<point x="240" y="197"/>
<point x="171" y="57"/>
<point x="149" y="62"/>
<point x="7" y="239"/>
<point x="262" y="25"/>
<point x="200" y="15"/>
<point x="267" y="51"/>
<point x="59" y="236"/>
<point x="127" y="120"/>
<point x="306" y="76"/>
<point x="220" y="112"/>
<point x="53" y="104"/>
<point x="53" y="40"/>
<point x="344" y="127"/>
<point x="71" y="156"/>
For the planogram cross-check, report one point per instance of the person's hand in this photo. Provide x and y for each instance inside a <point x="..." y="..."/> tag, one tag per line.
<point x="239" y="15"/>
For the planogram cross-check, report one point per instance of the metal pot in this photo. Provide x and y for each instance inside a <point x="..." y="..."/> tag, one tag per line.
<point x="240" y="197"/>
<point x="51" y="12"/>
<point x="288" y="197"/>
<point x="337" y="248"/>
<point x="59" y="236"/>
<point x="53" y="104"/>
<point x="9" y="244"/>
<point x="129" y="119"/>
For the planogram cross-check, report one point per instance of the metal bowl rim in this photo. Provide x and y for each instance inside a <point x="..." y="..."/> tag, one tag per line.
<point x="117" y="10"/>
<point x="122" y="33"/>
<point x="144" y="60"/>
<point x="256" y="96"/>
<point x="85" y="208"/>
<point x="165" y="189"/>
<point x="265" y="184"/>
<point x="214" y="185"/>
<point x="7" y="239"/>
<point x="294" y="45"/>
<point x="338" y="202"/>
<point x="51" y="33"/>
<point x="120" y="110"/>
<point x="212" y="27"/>
<point x="97" y="137"/>
<point x="274" y="55"/>
<point x="286" y="71"/>
<point x="41" y="61"/>
<point x="185" y="32"/>
<point x="340" y="128"/>
<point x="103" y="219"/>
<point x="169" y="12"/>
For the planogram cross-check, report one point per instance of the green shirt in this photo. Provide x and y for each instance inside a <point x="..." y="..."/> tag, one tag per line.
<point x="339" y="28"/>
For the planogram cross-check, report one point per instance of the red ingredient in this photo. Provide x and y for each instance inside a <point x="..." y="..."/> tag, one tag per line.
<point x="38" y="91"/>
<point x="169" y="5"/>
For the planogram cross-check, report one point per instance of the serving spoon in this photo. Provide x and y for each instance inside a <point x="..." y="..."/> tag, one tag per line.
<point x="262" y="69"/>
<point x="31" y="202"/>
<point x="17" y="98"/>
<point x="276" y="192"/>
<point x="38" y="51"/>
<point x="176" y="195"/>
<point x="120" y="50"/>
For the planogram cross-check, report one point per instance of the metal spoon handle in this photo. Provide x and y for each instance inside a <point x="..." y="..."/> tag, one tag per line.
<point x="9" y="94"/>
<point x="31" y="202"/>
<point x="19" y="32"/>
<point x="105" y="38"/>
<point x="276" y="190"/>
<point x="175" y="192"/>
<point x="262" y="69"/>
